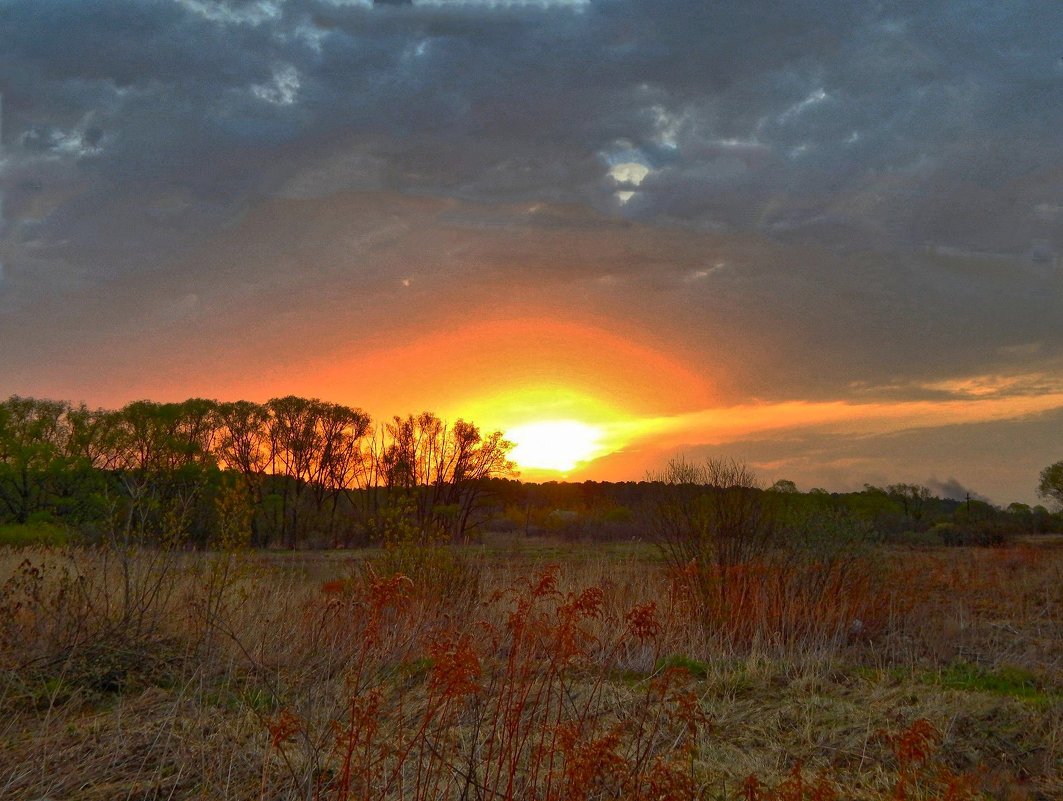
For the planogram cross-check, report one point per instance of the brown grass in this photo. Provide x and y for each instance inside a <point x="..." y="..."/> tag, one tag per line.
<point x="266" y="677"/>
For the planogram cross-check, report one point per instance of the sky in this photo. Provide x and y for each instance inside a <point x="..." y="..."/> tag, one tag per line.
<point x="823" y="237"/>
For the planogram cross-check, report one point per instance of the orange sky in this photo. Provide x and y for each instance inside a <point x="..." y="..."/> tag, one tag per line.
<point x="642" y="402"/>
<point x="831" y="247"/>
<point x="518" y="369"/>
<point x="472" y="317"/>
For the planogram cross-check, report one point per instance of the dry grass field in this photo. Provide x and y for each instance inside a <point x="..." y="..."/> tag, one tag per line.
<point x="530" y="670"/>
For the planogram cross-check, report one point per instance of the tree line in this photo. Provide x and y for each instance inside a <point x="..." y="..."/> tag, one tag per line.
<point x="298" y="472"/>
<point x="901" y="512"/>
<point x="292" y="471"/>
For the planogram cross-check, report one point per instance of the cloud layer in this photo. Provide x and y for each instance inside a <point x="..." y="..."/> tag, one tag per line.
<point x="805" y="201"/>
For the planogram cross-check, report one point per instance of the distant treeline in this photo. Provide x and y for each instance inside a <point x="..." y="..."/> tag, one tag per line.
<point x="899" y="512"/>
<point x="292" y="471"/>
<point x="299" y="472"/>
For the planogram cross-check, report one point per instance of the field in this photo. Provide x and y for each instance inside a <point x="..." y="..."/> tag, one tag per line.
<point x="526" y="668"/>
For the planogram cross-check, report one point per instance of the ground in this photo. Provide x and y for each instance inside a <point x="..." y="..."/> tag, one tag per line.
<point x="291" y="675"/>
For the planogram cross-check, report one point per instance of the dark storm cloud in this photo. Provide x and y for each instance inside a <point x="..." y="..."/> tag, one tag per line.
<point x="817" y="121"/>
<point x="884" y="179"/>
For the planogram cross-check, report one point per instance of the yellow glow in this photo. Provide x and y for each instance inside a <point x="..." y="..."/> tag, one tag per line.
<point x="507" y="409"/>
<point x="554" y="444"/>
<point x="558" y="430"/>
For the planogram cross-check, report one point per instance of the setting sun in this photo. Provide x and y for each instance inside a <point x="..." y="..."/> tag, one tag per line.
<point x="554" y="444"/>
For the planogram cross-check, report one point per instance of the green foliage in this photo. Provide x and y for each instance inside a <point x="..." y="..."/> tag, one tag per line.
<point x="261" y="701"/>
<point x="876" y="506"/>
<point x="233" y="516"/>
<point x="298" y="471"/>
<point x="33" y="438"/>
<point x="822" y="532"/>
<point x="947" y="533"/>
<point x="436" y="572"/>
<point x="982" y="533"/>
<point x="32" y="533"/>
<point x="617" y="514"/>
<point x="294" y="471"/>
<point x="1051" y="485"/>
<point x="395" y="526"/>
<point x="422" y="556"/>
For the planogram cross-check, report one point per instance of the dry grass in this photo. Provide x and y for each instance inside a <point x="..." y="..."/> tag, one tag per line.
<point x="260" y="676"/>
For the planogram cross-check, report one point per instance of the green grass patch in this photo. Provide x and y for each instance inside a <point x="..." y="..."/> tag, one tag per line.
<point x="257" y="699"/>
<point x="880" y="675"/>
<point x="21" y="535"/>
<point x="699" y="670"/>
<point x="1013" y="682"/>
<point x="417" y="668"/>
<point x="240" y="696"/>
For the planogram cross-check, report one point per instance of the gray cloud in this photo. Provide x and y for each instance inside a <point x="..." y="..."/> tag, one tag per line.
<point x="951" y="488"/>
<point x="835" y="197"/>
<point x="893" y="124"/>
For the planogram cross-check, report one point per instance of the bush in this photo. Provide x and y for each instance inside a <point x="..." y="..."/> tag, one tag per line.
<point x="983" y="533"/>
<point x="917" y="539"/>
<point x="765" y="567"/>
<point x="438" y="573"/>
<point x="711" y="514"/>
<point x="20" y="535"/>
<point x="947" y="533"/>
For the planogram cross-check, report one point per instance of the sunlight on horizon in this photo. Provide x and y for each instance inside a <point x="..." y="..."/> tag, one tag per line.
<point x="558" y="445"/>
<point x="555" y="429"/>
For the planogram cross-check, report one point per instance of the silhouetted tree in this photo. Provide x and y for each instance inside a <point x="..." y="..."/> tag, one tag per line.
<point x="338" y="463"/>
<point x="437" y="471"/>
<point x="34" y="436"/>
<point x="294" y="440"/>
<point x="244" y="447"/>
<point x="912" y="497"/>
<point x="1051" y="485"/>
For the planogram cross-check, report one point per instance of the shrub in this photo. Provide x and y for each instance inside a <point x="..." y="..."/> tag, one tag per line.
<point x="765" y="567"/>
<point x="982" y="533"/>
<point x="710" y="514"/>
<point x="438" y="573"/>
<point x="20" y="535"/>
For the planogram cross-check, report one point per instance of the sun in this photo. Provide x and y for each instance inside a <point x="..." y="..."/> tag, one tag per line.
<point x="554" y="444"/>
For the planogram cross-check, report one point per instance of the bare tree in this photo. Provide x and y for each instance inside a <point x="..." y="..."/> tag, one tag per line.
<point x="439" y="472"/>
<point x="244" y="447"/>
<point x="710" y="513"/>
<point x="337" y="466"/>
